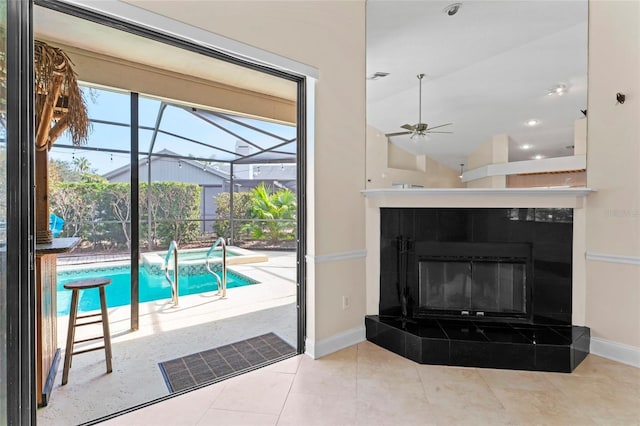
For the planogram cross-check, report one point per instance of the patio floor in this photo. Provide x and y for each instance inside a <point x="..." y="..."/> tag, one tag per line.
<point x="200" y="322"/>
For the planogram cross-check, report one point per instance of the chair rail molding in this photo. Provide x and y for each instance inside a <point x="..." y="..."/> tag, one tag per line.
<point x="613" y="258"/>
<point x="334" y="257"/>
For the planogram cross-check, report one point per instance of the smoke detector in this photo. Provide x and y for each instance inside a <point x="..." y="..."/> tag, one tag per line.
<point x="452" y="9"/>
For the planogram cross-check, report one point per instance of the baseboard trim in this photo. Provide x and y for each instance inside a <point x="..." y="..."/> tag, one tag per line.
<point x="333" y="257"/>
<point x="336" y="342"/>
<point x="615" y="351"/>
<point x="613" y="258"/>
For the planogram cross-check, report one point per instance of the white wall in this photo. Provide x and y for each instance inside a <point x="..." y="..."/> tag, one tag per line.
<point x="494" y="151"/>
<point x="613" y="169"/>
<point x="330" y="36"/>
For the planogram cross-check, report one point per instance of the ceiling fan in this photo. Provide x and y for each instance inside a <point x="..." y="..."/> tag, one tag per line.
<point x="420" y="129"/>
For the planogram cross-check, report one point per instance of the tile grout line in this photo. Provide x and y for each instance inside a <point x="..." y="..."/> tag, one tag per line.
<point x="424" y="390"/>
<point x="295" y="375"/>
<point x="491" y="390"/>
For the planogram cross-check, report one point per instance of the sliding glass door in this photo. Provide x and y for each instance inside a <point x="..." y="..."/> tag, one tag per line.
<point x="3" y="212"/>
<point x="17" y="335"/>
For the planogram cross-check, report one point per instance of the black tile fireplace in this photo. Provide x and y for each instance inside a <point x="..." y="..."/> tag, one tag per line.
<point x="478" y="287"/>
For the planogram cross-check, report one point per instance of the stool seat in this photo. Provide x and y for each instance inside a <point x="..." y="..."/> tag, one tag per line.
<point x="87" y="283"/>
<point x="76" y="287"/>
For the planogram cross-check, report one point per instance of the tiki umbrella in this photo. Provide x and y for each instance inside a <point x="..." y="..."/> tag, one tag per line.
<point x="59" y="106"/>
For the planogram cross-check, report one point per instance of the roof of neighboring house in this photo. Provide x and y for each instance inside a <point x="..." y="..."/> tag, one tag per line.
<point x="162" y="155"/>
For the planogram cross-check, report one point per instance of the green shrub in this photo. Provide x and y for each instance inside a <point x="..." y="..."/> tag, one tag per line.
<point x="275" y="214"/>
<point x="241" y="205"/>
<point x="175" y="211"/>
<point x="100" y="212"/>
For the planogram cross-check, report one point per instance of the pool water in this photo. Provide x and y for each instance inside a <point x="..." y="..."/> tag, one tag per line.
<point x="152" y="287"/>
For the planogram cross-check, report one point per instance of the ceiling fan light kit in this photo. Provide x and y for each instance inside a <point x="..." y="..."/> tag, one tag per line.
<point x="420" y="130"/>
<point x="377" y="75"/>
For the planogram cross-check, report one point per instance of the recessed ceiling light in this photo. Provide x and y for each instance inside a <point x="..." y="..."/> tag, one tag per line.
<point x="376" y="75"/>
<point x="538" y="157"/>
<point x="559" y="89"/>
<point x="525" y="146"/>
<point x="452" y="9"/>
<point x="533" y="122"/>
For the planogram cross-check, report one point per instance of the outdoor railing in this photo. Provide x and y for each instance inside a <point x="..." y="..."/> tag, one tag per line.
<point x="173" y="250"/>
<point x="112" y="235"/>
<point x="222" y="283"/>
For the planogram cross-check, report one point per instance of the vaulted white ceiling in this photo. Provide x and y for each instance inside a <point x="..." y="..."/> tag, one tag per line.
<point x="488" y="70"/>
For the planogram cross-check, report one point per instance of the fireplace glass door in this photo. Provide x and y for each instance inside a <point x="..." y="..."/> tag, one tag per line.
<point x="474" y="287"/>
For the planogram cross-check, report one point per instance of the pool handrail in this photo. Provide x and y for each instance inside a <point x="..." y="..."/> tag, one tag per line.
<point x="173" y="249"/>
<point x="222" y="283"/>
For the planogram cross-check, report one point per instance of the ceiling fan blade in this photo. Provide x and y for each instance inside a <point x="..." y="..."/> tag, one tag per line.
<point x="442" y="125"/>
<point x="408" y="127"/>
<point x="429" y="131"/>
<point x="397" y="134"/>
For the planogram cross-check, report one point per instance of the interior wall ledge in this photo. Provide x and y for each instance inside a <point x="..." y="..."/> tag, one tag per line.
<point x="613" y="258"/>
<point x="333" y="257"/>
<point x="465" y="192"/>
<point x="545" y="165"/>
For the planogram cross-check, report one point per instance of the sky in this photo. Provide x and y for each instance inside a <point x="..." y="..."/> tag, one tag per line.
<point x="115" y="107"/>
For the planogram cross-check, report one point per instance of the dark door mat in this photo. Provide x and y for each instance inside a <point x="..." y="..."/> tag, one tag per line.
<point x="224" y="361"/>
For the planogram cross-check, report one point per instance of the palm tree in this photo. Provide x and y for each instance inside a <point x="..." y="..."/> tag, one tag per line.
<point x="81" y="165"/>
<point x="276" y="212"/>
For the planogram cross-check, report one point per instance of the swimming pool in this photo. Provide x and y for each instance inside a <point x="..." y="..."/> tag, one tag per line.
<point x="188" y="255"/>
<point x="192" y="261"/>
<point x="152" y="286"/>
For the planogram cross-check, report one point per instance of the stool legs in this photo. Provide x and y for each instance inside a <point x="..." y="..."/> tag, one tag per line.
<point x="71" y="333"/>
<point x="105" y="329"/>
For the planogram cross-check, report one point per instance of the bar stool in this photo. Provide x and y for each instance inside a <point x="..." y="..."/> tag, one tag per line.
<point x="75" y="287"/>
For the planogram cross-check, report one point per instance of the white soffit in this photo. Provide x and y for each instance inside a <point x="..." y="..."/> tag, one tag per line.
<point x="62" y="28"/>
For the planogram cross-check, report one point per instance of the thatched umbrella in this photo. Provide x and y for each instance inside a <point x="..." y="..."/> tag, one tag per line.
<point x="59" y="106"/>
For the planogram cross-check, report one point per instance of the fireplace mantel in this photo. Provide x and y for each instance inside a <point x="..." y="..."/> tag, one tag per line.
<point x="477" y="197"/>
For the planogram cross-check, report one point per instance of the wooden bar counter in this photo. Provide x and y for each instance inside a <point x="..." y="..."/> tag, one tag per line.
<point x="47" y="351"/>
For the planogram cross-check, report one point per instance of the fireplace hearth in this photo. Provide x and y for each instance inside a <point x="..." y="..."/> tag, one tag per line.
<point x="478" y="287"/>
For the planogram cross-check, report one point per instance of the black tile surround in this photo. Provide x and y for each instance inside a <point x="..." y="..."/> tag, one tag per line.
<point x="546" y="341"/>
<point x="468" y="343"/>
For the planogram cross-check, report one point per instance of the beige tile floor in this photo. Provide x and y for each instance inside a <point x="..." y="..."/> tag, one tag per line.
<point x="200" y="322"/>
<point x="367" y="385"/>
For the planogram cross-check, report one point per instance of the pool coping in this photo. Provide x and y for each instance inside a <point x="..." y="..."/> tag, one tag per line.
<point x="154" y="261"/>
<point x="241" y="257"/>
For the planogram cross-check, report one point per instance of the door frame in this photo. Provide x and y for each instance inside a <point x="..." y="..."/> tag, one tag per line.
<point x="20" y="245"/>
<point x="301" y="134"/>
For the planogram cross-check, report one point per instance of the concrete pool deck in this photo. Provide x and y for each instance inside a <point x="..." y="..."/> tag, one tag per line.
<point x="200" y="322"/>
